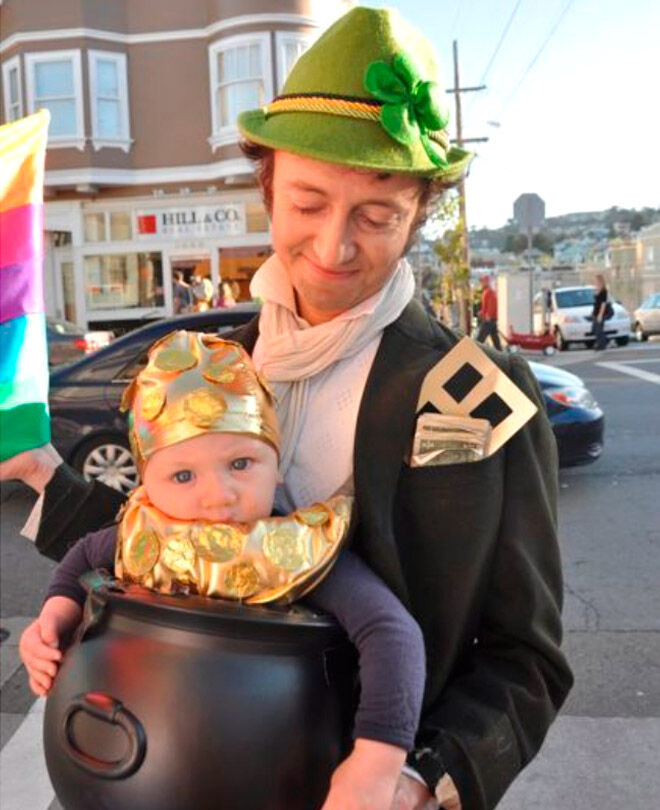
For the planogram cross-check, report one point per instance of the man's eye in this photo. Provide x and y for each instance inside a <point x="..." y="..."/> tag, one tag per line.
<point x="307" y="210"/>
<point x="183" y="476"/>
<point x="377" y="224"/>
<point x="240" y="464"/>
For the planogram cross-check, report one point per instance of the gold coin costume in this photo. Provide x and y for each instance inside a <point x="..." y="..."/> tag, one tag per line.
<point x="194" y="384"/>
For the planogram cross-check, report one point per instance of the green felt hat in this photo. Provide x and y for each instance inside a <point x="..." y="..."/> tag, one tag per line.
<point x="366" y="95"/>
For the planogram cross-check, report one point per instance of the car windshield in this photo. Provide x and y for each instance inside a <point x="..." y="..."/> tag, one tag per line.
<point x="582" y="297"/>
<point x="654" y="301"/>
<point x="64" y="327"/>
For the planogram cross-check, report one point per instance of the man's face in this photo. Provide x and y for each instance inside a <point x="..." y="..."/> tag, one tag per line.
<point x="338" y="231"/>
<point x="220" y="477"/>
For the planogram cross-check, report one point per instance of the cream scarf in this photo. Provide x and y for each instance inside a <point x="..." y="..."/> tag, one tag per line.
<point x="290" y="352"/>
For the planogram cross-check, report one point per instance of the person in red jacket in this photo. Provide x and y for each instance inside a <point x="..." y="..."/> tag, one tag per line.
<point x="488" y="314"/>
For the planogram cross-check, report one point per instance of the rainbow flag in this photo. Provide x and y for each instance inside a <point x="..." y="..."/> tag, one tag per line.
<point x="24" y="421"/>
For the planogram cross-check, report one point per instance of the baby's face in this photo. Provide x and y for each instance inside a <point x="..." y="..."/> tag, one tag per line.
<point x="222" y="477"/>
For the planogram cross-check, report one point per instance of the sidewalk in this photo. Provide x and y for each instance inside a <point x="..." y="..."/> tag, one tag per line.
<point x="591" y="763"/>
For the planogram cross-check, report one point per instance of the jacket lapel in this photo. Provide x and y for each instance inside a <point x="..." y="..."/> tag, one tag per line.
<point x="247" y="334"/>
<point x="408" y="350"/>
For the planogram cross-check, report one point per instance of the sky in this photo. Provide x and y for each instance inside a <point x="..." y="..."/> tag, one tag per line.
<point x="581" y="127"/>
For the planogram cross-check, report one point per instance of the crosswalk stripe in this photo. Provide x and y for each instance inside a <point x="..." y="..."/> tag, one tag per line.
<point x="25" y="784"/>
<point x="649" y="376"/>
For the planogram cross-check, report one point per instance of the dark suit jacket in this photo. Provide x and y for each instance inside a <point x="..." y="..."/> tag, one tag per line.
<point x="471" y="550"/>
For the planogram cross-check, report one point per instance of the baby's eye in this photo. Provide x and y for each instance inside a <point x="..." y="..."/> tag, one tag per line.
<point x="240" y="464"/>
<point x="182" y="476"/>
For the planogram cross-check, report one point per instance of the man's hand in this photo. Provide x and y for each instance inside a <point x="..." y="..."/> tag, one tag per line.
<point x="34" y="467"/>
<point x="447" y="794"/>
<point x="413" y="795"/>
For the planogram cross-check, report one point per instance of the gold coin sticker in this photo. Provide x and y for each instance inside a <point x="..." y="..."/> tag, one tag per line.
<point x="241" y="580"/>
<point x="203" y="407"/>
<point x="152" y="400"/>
<point x="179" y="556"/>
<point x="175" y="360"/>
<point x="218" y="373"/>
<point x="315" y="515"/>
<point x="218" y="543"/>
<point x="141" y="553"/>
<point x="284" y="547"/>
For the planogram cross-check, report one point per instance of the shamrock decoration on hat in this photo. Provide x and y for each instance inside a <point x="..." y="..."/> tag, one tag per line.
<point x="412" y="107"/>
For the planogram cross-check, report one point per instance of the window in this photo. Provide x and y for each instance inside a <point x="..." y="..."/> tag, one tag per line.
<point x="108" y="88"/>
<point x="579" y="297"/>
<point x="289" y="47"/>
<point x="95" y="228"/>
<point x="240" y="80"/>
<point x="106" y="226"/>
<point x="11" y="80"/>
<point x="124" y="280"/>
<point x="53" y="80"/>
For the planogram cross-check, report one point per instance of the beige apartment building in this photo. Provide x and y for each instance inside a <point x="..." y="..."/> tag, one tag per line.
<point x="631" y="266"/>
<point x="143" y="171"/>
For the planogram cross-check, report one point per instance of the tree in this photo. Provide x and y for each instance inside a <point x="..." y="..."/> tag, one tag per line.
<point x="453" y="288"/>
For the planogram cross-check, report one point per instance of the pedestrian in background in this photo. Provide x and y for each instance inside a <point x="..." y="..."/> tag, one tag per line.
<point x="203" y="291"/>
<point x="182" y="297"/>
<point x="599" y="312"/>
<point x="488" y="314"/>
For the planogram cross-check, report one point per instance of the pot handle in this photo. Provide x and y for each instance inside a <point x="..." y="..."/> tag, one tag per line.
<point x="106" y="708"/>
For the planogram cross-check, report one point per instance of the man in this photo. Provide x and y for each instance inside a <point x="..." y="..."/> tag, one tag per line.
<point x="600" y="312"/>
<point x="181" y="293"/>
<point x="348" y="157"/>
<point x="488" y="314"/>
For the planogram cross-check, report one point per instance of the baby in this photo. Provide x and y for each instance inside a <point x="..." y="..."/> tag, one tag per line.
<point x="203" y="430"/>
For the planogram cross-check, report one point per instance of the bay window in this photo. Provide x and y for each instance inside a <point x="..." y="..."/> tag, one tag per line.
<point x="53" y="81"/>
<point x="240" y="72"/>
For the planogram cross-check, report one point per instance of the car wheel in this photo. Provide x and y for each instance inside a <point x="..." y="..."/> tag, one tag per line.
<point x="640" y="335"/>
<point x="561" y="344"/>
<point x="107" y="459"/>
<point x="622" y="341"/>
<point x="589" y="344"/>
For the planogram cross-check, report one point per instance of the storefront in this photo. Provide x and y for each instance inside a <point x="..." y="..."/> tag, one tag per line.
<point x="113" y="263"/>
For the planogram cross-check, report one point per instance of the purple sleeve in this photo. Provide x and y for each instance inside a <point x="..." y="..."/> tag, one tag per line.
<point x="390" y="647"/>
<point x="95" y="550"/>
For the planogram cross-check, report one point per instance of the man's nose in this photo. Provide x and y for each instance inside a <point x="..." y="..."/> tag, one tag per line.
<point x="334" y="244"/>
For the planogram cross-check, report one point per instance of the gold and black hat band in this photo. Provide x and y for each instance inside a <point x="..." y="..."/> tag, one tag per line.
<point x="335" y="104"/>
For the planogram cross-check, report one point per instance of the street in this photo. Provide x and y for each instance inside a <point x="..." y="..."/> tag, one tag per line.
<point x="604" y="749"/>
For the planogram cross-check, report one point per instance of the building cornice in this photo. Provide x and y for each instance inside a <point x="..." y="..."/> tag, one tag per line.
<point x="157" y="36"/>
<point x="146" y="177"/>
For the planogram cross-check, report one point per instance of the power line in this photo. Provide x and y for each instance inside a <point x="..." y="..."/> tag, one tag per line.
<point x="457" y="14"/>
<point x="538" y="54"/>
<point x="497" y="48"/>
<point x="499" y="44"/>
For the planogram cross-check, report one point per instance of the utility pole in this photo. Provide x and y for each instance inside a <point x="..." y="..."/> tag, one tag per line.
<point x="466" y="309"/>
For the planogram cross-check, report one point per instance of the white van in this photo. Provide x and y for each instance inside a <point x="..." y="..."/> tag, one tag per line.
<point x="566" y="312"/>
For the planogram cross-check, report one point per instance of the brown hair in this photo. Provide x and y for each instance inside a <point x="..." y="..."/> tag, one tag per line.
<point x="431" y="189"/>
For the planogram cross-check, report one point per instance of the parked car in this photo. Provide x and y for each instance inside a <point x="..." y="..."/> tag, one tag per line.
<point x="68" y="342"/>
<point x="646" y="319"/>
<point x="90" y="432"/>
<point x="577" y="420"/>
<point x="570" y="318"/>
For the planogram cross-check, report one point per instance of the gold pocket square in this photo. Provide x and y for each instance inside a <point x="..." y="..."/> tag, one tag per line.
<point x="467" y="383"/>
